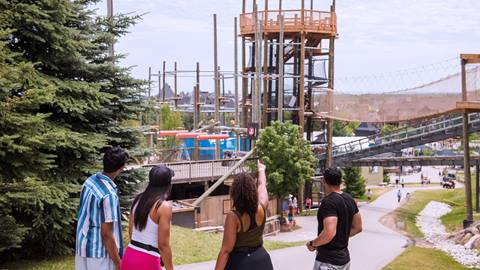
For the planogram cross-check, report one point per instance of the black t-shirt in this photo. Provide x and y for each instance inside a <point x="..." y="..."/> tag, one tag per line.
<point x="344" y="208"/>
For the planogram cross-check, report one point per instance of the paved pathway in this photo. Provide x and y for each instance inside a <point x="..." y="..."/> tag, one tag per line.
<point x="375" y="247"/>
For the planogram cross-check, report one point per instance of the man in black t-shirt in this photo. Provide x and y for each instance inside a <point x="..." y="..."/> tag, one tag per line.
<point x="338" y="220"/>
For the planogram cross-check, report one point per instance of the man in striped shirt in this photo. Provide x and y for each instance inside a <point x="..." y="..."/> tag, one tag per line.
<point x="99" y="242"/>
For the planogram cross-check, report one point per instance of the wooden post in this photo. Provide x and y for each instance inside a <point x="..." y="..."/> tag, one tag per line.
<point x="196" y="99"/>
<point x="301" y="89"/>
<point x="175" y="86"/>
<point x="217" y="149"/>
<point x="256" y="105"/>
<point x="331" y="86"/>
<point x="163" y="82"/>
<point x="149" y="81"/>
<point x="159" y="86"/>
<point x="244" y="85"/>
<point x="302" y="16"/>
<point x="477" y="190"/>
<point x="196" y="148"/>
<point x="215" y="68"/>
<point x="235" y="71"/>
<point x="281" y="70"/>
<point x="301" y="105"/>
<point x="466" y="152"/>
<point x="309" y="95"/>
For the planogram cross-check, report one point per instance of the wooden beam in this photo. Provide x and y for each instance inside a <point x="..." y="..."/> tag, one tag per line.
<point x="468" y="105"/>
<point x="470" y="58"/>
<point x="207" y="193"/>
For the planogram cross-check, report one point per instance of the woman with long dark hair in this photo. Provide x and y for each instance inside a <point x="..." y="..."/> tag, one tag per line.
<point x="149" y="224"/>
<point x="242" y="246"/>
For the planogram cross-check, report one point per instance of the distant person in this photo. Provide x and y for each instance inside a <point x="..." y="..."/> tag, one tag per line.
<point x="338" y="220"/>
<point x="369" y="194"/>
<point x="396" y="182"/>
<point x="308" y="203"/>
<point x="99" y="241"/>
<point x="290" y="217"/>
<point x="149" y="224"/>
<point x="295" y="206"/>
<point x="399" y="195"/>
<point x="242" y="246"/>
<point x="407" y="196"/>
<point x="403" y="183"/>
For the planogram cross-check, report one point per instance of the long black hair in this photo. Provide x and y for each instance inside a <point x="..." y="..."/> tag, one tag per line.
<point x="244" y="194"/>
<point x="157" y="191"/>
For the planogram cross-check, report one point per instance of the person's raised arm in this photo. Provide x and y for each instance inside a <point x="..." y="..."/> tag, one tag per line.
<point x="356" y="225"/>
<point x="262" y="185"/>
<point x="165" y="214"/>
<point x="229" y="238"/>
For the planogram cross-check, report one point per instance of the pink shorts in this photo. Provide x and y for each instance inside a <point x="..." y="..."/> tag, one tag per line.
<point x="135" y="259"/>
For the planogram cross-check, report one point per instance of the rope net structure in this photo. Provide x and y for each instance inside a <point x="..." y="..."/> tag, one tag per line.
<point x="426" y="100"/>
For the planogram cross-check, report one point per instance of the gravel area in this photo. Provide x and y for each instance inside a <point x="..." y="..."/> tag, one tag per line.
<point x="428" y="221"/>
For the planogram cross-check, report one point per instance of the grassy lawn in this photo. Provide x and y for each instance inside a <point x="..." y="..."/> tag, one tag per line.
<point x="188" y="246"/>
<point x="424" y="258"/>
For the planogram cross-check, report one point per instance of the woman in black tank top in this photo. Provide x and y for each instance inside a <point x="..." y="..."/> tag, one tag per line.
<point x="242" y="246"/>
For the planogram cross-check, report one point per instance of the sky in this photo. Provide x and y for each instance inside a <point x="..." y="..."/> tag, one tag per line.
<point x="376" y="38"/>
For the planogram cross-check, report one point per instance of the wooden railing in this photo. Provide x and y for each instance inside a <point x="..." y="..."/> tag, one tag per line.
<point x="313" y="21"/>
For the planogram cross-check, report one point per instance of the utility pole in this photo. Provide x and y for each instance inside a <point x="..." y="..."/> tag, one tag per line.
<point x="111" y="51"/>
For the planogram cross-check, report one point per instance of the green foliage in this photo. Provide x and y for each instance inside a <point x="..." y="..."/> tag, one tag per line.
<point x="63" y="99"/>
<point x="387" y="129"/>
<point x="344" y="129"/>
<point x="386" y="177"/>
<point x="287" y="156"/>
<point x="12" y="233"/>
<point x="47" y="209"/>
<point x="127" y="184"/>
<point x="354" y="182"/>
<point x="170" y="120"/>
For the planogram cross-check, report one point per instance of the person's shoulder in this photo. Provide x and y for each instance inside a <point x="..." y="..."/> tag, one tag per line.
<point x="165" y="208"/>
<point x="348" y="197"/>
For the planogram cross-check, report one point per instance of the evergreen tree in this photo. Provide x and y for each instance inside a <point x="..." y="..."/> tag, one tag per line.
<point x="63" y="99"/>
<point x="354" y="182"/>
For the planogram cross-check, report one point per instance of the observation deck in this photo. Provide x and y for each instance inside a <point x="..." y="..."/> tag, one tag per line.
<point x="323" y="23"/>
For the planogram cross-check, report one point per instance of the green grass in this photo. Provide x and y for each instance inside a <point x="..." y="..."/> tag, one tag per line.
<point x="424" y="258"/>
<point x="188" y="246"/>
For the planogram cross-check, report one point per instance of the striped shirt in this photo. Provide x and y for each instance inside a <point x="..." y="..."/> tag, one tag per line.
<point x="99" y="204"/>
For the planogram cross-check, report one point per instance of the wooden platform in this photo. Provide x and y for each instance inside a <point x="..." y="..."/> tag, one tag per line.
<point x="322" y="23"/>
